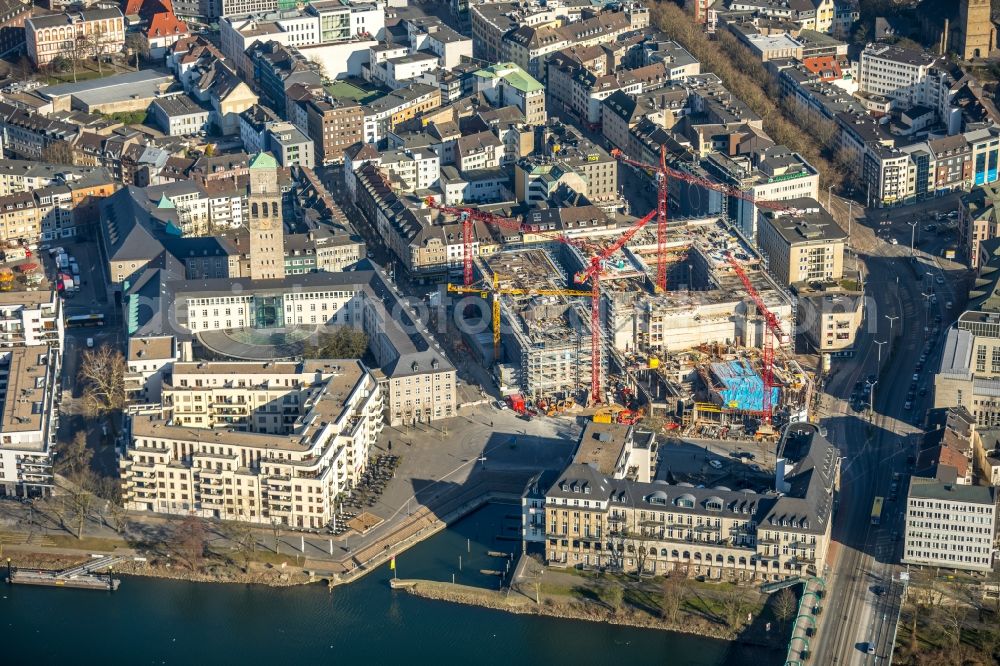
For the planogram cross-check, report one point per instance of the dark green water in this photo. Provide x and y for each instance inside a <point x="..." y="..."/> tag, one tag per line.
<point x="151" y="621"/>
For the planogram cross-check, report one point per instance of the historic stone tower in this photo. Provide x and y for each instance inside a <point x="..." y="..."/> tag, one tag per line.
<point x="977" y="36"/>
<point x="267" y="239"/>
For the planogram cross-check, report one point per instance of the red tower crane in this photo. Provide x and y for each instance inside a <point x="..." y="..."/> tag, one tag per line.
<point x="772" y="330"/>
<point x="661" y="210"/>
<point x="468" y="218"/>
<point x="664" y="172"/>
<point x="593" y="273"/>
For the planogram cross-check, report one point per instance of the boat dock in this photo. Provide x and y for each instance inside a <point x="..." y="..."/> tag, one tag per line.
<point x="83" y="576"/>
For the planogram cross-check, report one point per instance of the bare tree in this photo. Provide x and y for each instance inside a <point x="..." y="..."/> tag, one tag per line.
<point x="641" y="555"/>
<point x="80" y="500"/>
<point x="102" y="373"/>
<point x="614" y="596"/>
<point x="276" y="532"/>
<point x="59" y="152"/>
<point x="190" y="538"/>
<point x="952" y="621"/>
<point x="784" y="605"/>
<point x="136" y="45"/>
<point x="735" y="602"/>
<point x="75" y="457"/>
<point x="244" y="541"/>
<point x="674" y="593"/>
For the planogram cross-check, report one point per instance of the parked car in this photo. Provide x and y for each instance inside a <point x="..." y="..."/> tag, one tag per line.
<point x="916" y="376"/>
<point x="501" y="405"/>
<point x="939" y="279"/>
<point x="715" y="463"/>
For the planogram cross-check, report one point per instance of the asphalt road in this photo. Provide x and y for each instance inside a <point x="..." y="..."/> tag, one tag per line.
<point x="876" y="446"/>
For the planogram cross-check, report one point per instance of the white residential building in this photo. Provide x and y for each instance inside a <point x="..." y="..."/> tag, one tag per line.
<point x="29" y="382"/>
<point x="31" y="318"/>
<point x="949" y="525"/>
<point x="261" y="442"/>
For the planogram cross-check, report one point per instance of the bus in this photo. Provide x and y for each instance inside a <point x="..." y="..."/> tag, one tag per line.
<point x="79" y="321"/>
<point x="877" y="511"/>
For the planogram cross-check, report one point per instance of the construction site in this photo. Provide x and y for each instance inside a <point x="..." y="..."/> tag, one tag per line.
<point x="540" y="336"/>
<point x="683" y="317"/>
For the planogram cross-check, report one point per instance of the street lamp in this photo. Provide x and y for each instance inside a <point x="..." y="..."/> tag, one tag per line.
<point x="892" y="319"/>
<point x="913" y="233"/>
<point x="878" y="363"/>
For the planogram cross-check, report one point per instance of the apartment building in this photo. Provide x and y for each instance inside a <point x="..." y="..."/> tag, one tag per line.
<point x="49" y="37"/>
<point x="29" y="384"/>
<point x="334" y="125"/>
<point x="529" y="45"/>
<point x="147" y="361"/>
<point x="566" y="158"/>
<point x="506" y="84"/>
<point x="979" y="220"/>
<point x="909" y="77"/>
<point x="266" y="443"/>
<point x="949" y="525"/>
<point x="771" y="173"/>
<point x="178" y="115"/>
<point x="31" y="318"/>
<point x="829" y="316"/>
<point x="598" y="518"/>
<point x="806" y="245"/>
<point x="382" y="115"/>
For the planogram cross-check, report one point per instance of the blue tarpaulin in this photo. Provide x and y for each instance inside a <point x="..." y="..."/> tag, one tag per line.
<point x="743" y="387"/>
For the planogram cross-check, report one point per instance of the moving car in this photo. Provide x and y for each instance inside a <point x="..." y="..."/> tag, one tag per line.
<point x="715" y="463"/>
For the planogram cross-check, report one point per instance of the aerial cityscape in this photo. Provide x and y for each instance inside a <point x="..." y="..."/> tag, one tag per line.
<point x="563" y="331"/>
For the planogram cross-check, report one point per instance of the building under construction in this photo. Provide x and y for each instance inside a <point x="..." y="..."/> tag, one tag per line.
<point x="545" y="339"/>
<point x="705" y="301"/>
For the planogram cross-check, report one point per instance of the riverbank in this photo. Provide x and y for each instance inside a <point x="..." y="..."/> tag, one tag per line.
<point x="257" y="573"/>
<point x="588" y="607"/>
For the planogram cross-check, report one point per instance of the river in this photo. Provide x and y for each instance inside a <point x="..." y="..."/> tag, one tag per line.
<point x="154" y="621"/>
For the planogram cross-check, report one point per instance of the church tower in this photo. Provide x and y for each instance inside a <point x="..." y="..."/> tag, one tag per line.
<point x="977" y="36"/>
<point x="267" y="237"/>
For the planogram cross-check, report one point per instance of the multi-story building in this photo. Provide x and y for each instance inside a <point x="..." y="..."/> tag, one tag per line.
<point x="506" y="84"/>
<point x="48" y="37"/>
<point x="597" y="515"/>
<point x="969" y="373"/>
<point x="829" y="316"/>
<point x="268" y="443"/>
<point x="13" y="14"/>
<point x="335" y="34"/>
<point x="949" y="524"/>
<point x="276" y="67"/>
<point x="29" y="383"/>
<point x="31" y="318"/>
<point x="178" y="115"/>
<point x="806" y="245"/>
<point x="979" y="220"/>
<point x="911" y="78"/>
<point x="383" y="114"/>
<point x="774" y="173"/>
<point x="148" y="361"/>
<point x="565" y="158"/>
<point x="334" y="125"/>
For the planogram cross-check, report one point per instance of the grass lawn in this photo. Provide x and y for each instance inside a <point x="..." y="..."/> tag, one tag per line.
<point x="346" y="90"/>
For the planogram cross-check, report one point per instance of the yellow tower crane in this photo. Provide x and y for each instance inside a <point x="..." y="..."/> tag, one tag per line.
<point x="496" y="291"/>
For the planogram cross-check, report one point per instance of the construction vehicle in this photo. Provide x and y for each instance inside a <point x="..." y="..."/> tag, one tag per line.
<point x="516" y="402"/>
